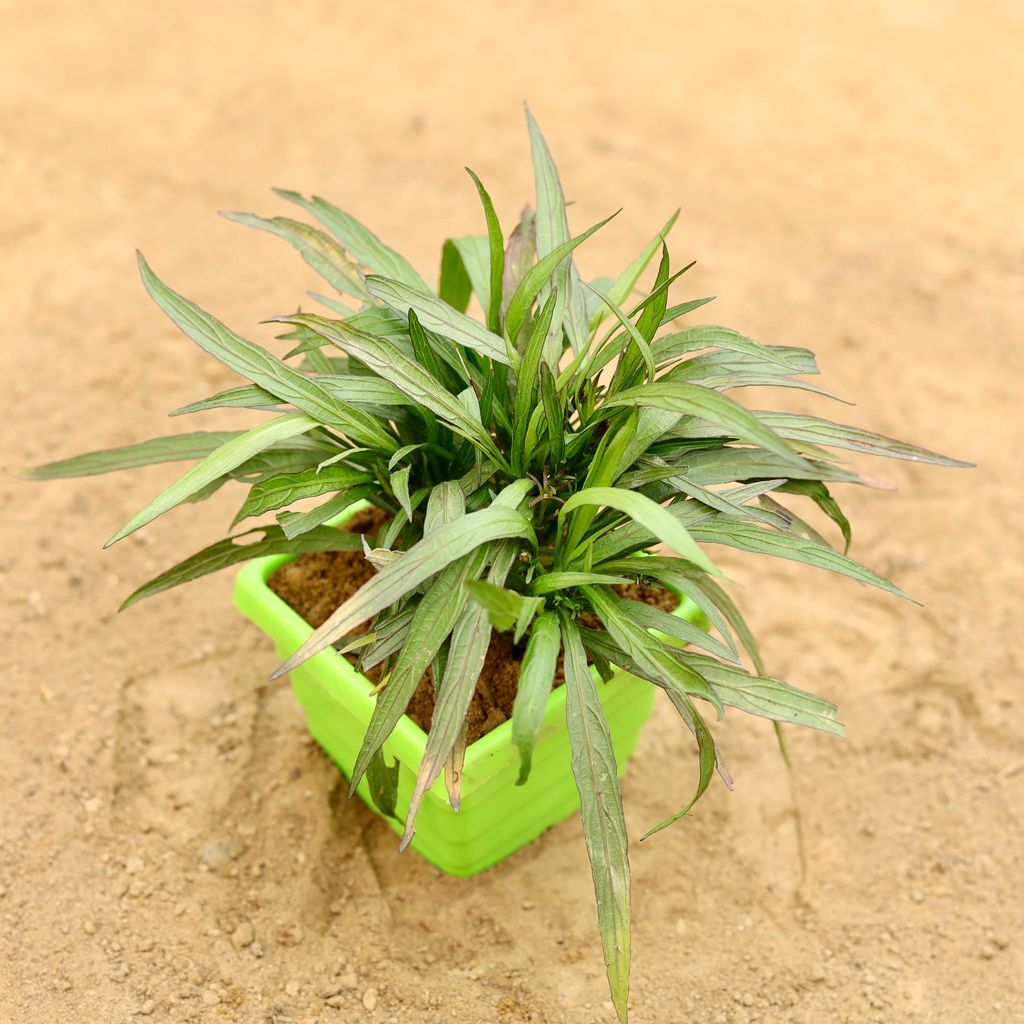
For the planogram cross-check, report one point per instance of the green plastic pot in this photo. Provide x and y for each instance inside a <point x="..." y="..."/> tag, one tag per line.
<point x="496" y="816"/>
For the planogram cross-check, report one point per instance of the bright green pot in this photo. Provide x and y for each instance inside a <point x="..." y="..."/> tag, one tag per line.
<point x="496" y="816"/>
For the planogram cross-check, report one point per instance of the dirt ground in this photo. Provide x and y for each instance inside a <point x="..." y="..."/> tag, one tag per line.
<point x="174" y="848"/>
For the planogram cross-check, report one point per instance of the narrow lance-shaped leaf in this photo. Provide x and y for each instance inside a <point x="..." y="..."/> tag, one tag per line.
<point x="840" y="435"/>
<point x="552" y="231"/>
<point x="536" y="675"/>
<point x="537" y="276"/>
<point x="433" y="619"/>
<point x="323" y="254"/>
<point x="496" y="246"/>
<point x="437" y="315"/>
<point x="466" y="655"/>
<point x="295" y="524"/>
<point x="358" y="239"/>
<point x="604" y="826"/>
<point x="291" y="487"/>
<point x="690" y="399"/>
<point x="747" y="537"/>
<point x="259" y="366"/>
<point x="248" y="396"/>
<point x="519" y="256"/>
<point x="227" y="457"/>
<point x="626" y="281"/>
<point x="230" y="552"/>
<point x="648" y="514"/>
<point x="423" y="560"/>
<point x="387" y="360"/>
<point x="454" y="284"/>
<point x="176" y="448"/>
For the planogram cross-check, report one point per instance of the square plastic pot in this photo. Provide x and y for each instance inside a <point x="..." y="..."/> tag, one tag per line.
<point x="496" y="816"/>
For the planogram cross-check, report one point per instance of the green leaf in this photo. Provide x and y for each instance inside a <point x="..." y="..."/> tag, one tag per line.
<point x="400" y="487"/>
<point x="295" y="524"/>
<point x="383" y="782"/>
<point x="554" y="413"/>
<point x="519" y="256"/>
<point x="626" y="281"/>
<point x="454" y="285"/>
<point x="364" y="245"/>
<point x="707" y="756"/>
<point x="466" y="655"/>
<point x="648" y="657"/>
<point x="648" y="514"/>
<point x="505" y="607"/>
<point x="536" y="675"/>
<point x="290" y="487"/>
<point x="765" y="696"/>
<point x="496" y="244"/>
<point x="694" y="339"/>
<point x="674" y="626"/>
<point x="230" y="552"/>
<point x="176" y="448"/>
<point x="323" y="254"/>
<point x="692" y="400"/>
<point x="817" y="431"/>
<point x="423" y="560"/>
<point x="553" y="232"/>
<point x="537" y="276"/>
<point x="604" y="826"/>
<point x="820" y="495"/>
<point x="746" y="537"/>
<point x="387" y="360"/>
<point x="445" y="503"/>
<point x="432" y="621"/>
<point x="552" y="581"/>
<point x="248" y="396"/>
<point x="436" y="315"/>
<point x="262" y="368"/>
<point x="528" y="381"/>
<point x="227" y="457"/>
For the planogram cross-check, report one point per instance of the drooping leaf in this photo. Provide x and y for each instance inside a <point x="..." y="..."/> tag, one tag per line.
<point x="383" y="782"/>
<point x="536" y="675"/>
<point x="604" y="826"/>
<point x="230" y="552"/>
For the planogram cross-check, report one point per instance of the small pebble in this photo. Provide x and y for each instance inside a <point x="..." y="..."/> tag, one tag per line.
<point x="147" y="1007"/>
<point x="348" y="980"/>
<point x="370" y="999"/>
<point x="134" y="865"/>
<point x="917" y="896"/>
<point x="210" y="998"/>
<point x="335" y="1001"/>
<point x="292" y="989"/>
<point x="89" y="928"/>
<point x="218" y="853"/>
<point x="243" y="935"/>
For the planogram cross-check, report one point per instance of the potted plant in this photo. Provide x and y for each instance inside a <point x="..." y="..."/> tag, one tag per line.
<point x="528" y="466"/>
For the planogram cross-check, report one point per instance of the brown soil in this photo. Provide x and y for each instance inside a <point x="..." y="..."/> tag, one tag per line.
<point x="316" y="584"/>
<point x="172" y="846"/>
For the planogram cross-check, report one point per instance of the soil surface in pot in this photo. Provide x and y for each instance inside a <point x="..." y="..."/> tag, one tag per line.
<point x="316" y="584"/>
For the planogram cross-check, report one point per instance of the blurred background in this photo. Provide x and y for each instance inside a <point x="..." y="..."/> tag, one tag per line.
<point x="851" y="178"/>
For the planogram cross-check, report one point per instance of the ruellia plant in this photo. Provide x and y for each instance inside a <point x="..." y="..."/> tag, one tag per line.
<point x="524" y="457"/>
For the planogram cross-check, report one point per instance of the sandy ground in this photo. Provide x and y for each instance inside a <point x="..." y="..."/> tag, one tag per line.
<point x="174" y="848"/>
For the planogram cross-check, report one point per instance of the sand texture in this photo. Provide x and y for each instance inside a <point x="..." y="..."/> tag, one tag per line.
<point x="172" y="845"/>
